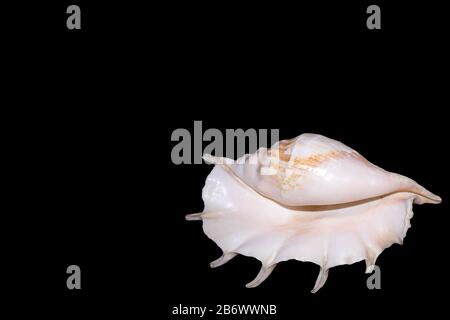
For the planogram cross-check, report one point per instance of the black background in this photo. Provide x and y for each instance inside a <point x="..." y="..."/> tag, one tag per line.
<point x="93" y="183"/>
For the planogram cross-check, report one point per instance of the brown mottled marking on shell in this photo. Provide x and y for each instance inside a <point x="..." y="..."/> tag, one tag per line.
<point x="290" y="170"/>
<point x="283" y="146"/>
<point x="317" y="159"/>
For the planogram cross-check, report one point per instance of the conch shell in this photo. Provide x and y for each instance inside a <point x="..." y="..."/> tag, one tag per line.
<point x="310" y="198"/>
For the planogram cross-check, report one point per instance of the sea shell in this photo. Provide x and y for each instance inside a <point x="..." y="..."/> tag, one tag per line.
<point x="310" y="198"/>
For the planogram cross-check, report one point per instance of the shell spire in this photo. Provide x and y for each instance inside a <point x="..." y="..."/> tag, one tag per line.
<point x="293" y="170"/>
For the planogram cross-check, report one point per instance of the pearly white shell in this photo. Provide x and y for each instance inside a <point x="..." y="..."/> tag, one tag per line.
<point x="323" y="203"/>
